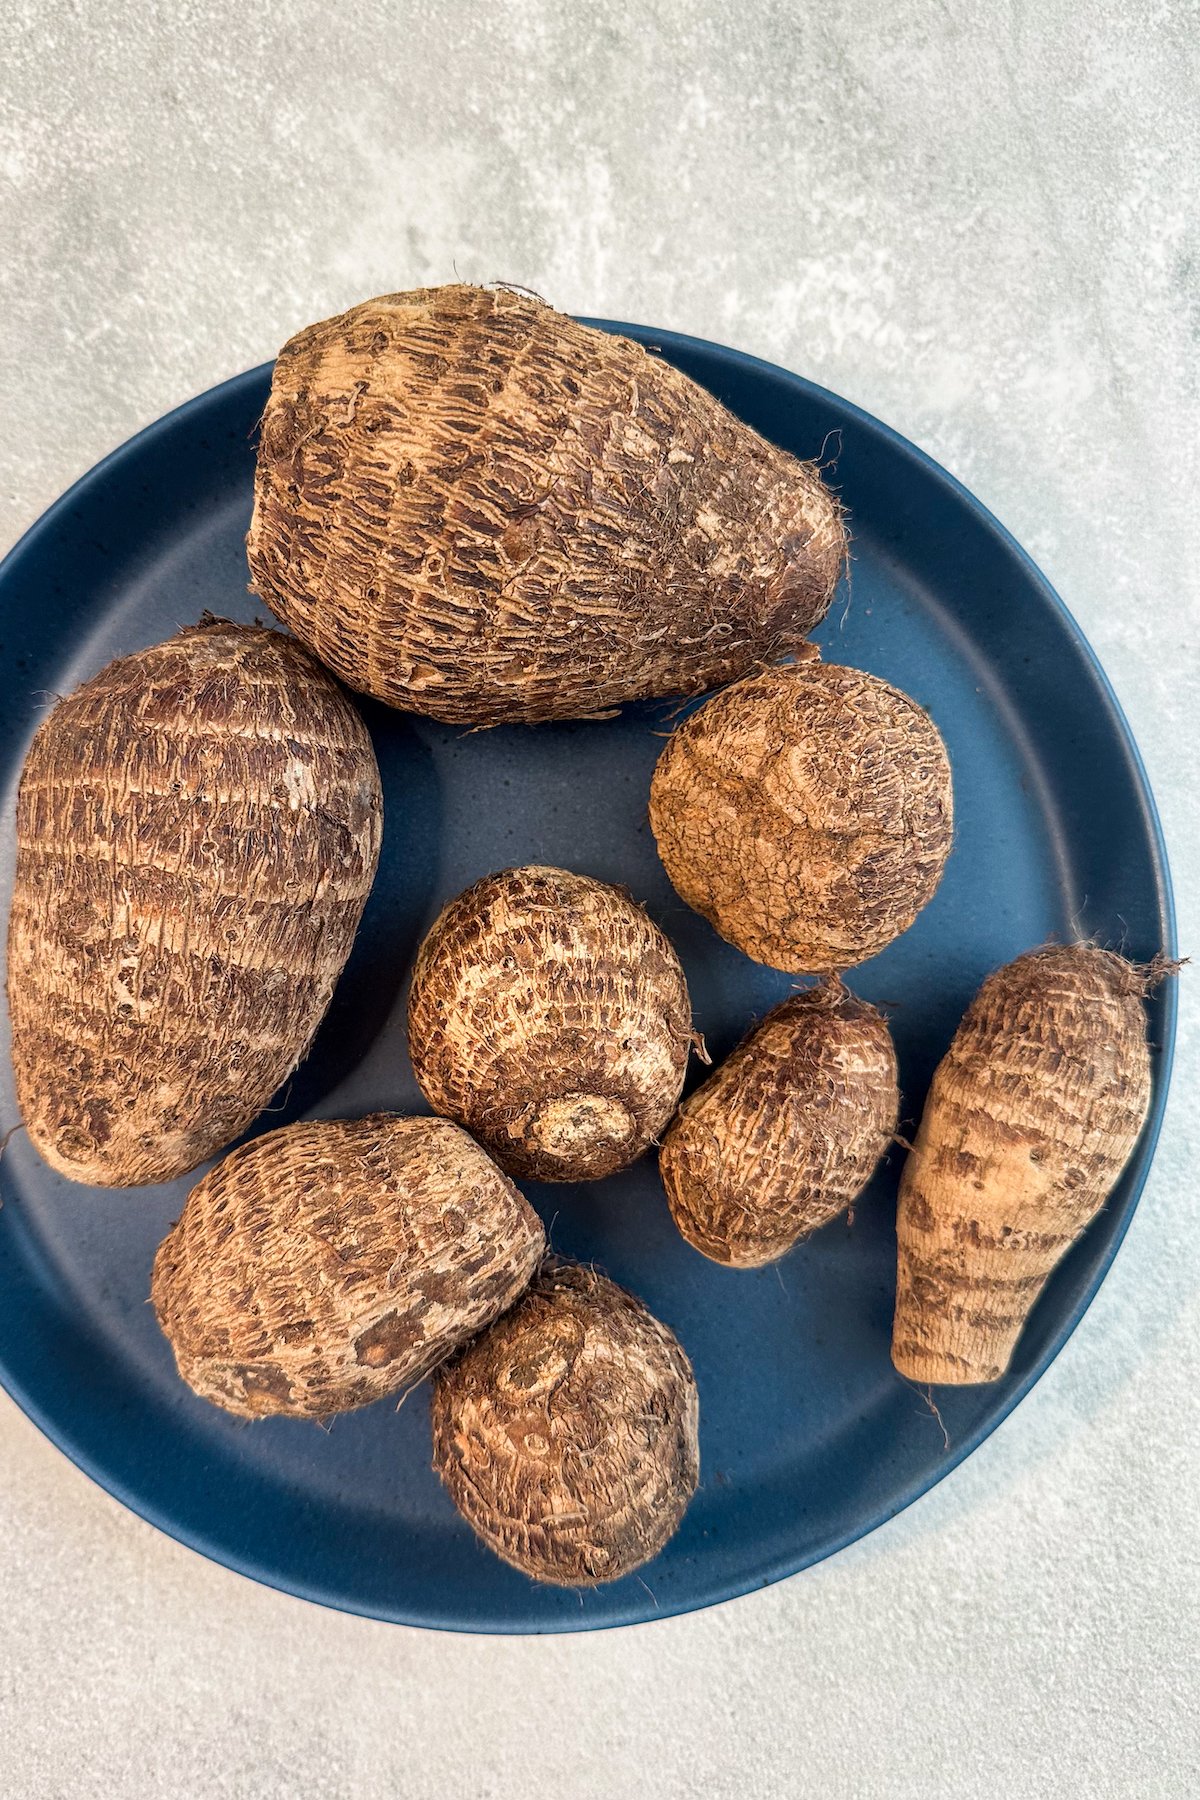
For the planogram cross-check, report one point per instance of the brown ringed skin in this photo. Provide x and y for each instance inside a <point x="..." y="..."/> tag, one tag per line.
<point x="198" y="827"/>
<point x="1031" y="1117"/>
<point x="786" y="1132"/>
<point x="473" y="507"/>
<point x="550" y="1016"/>
<point x="333" y="1262"/>
<point x="567" y="1434"/>
<point x="807" y="813"/>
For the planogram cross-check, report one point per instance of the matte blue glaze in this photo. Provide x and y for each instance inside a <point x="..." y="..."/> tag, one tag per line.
<point x="809" y="1439"/>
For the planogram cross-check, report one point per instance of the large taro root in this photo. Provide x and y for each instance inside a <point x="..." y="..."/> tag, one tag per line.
<point x="473" y="507"/>
<point x="1031" y="1117"/>
<point x="567" y="1434"/>
<point x="335" y="1261"/>
<point x="551" y="1017"/>
<point x="197" y="831"/>
<point x="806" y="812"/>
<point x="786" y="1133"/>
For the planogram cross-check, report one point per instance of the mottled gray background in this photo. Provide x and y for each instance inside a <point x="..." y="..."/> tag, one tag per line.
<point x="979" y="222"/>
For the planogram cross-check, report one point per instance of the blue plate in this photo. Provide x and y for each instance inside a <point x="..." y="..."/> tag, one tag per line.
<point x="808" y="1437"/>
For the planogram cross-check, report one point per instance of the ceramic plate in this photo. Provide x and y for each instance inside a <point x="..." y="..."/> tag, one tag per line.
<point x="808" y="1437"/>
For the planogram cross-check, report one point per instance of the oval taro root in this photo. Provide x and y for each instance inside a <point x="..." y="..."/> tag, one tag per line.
<point x="474" y="507"/>
<point x="567" y="1434"/>
<point x="806" y="813"/>
<point x="551" y="1017"/>
<point x="787" y="1132"/>
<point x="335" y="1261"/>
<point x="1030" y="1119"/>
<point x="197" y="832"/>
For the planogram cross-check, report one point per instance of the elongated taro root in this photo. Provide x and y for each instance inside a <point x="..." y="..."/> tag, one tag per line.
<point x="197" y="832"/>
<point x="787" y="1132"/>
<point x="335" y="1261"/>
<point x="806" y="812"/>
<point x="551" y="1017"/>
<point x="471" y="506"/>
<point x="1030" y="1119"/>
<point x="567" y="1434"/>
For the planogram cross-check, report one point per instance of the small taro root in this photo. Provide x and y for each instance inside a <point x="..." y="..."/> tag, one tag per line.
<point x="197" y="832"/>
<point x="551" y="1017"/>
<point x="806" y="813"/>
<point x="335" y="1261"/>
<point x="567" y="1434"/>
<point x="787" y="1132"/>
<point x="1030" y="1119"/>
<point x="473" y="507"/>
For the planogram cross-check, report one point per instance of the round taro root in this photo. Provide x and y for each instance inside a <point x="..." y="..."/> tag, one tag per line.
<point x="551" y="1017"/>
<point x="473" y="507"/>
<point x="333" y="1262"/>
<point x="567" y="1434"/>
<point x="197" y="832"/>
<point x="806" y="812"/>
<point x="1031" y="1117"/>
<point x="787" y="1132"/>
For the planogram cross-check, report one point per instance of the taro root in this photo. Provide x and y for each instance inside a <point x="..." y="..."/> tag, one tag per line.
<point x="787" y="1132"/>
<point x="567" y="1434"/>
<point x="473" y="507"/>
<point x="551" y="1017"/>
<point x="335" y="1261"/>
<point x="806" y="813"/>
<point x="197" y="831"/>
<point x="1030" y="1119"/>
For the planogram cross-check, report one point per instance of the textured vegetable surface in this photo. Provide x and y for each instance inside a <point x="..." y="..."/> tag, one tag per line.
<point x="334" y="1261"/>
<point x="787" y="1132"/>
<point x="1030" y="1119"/>
<point x="567" y="1434"/>
<point x="806" y="812"/>
<point x="473" y="507"/>
<point x="197" y="831"/>
<point x="551" y="1017"/>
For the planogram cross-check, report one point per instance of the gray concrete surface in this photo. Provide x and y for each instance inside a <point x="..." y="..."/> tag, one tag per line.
<point x="978" y="222"/>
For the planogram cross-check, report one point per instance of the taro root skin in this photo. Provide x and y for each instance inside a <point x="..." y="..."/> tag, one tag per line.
<point x="787" y="1132"/>
<point x="198" y="828"/>
<point x="1031" y="1116"/>
<point x="806" y="812"/>
<point x="550" y="1016"/>
<point x="567" y="1434"/>
<point x="473" y="507"/>
<point x="333" y="1262"/>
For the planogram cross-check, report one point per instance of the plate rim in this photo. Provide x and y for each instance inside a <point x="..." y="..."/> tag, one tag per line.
<point x="1136" y="1172"/>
